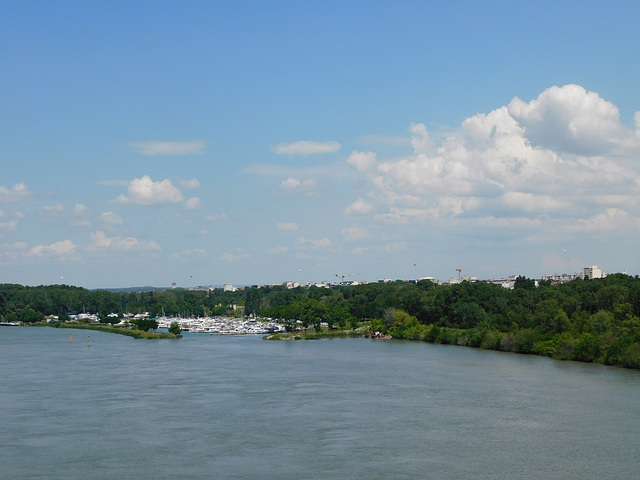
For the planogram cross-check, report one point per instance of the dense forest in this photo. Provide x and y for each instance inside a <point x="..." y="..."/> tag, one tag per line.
<point x="586" y="320"/>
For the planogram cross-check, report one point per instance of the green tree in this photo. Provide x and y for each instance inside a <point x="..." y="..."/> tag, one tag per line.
<point x="145" y="324"/>
<point x="175" y="328"/>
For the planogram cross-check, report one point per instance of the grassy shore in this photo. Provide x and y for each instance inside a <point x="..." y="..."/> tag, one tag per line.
<point x="119" y="330"/>
<point x="315" y="335"/>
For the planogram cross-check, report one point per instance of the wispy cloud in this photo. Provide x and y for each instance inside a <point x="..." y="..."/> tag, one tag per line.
<point x="192" y="253"/>
<point x="234" y="257"/>
<point x="100" y="240"/>
<point x="111" y="219"/>
<point x="306" y="243"/>
<point x="287" y="226"/>
<point x="304" y="148"/>
<point x="193" y="204"/>
<point x="295" y="186"/>
<point x="165" y="147"/>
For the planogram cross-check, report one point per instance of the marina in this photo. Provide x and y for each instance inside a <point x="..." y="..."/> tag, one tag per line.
<point x="223" y="325"/>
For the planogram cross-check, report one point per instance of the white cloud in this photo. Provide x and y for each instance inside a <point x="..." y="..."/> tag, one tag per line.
<point x="64" y="248"/>
<point x="80" y="209"/>
<point x="192" y="253"/>
<point x="15" y="194"/>
<point x="363" y="161"/>
<point x="541" y="160"/>
<point x="192" y="204"/>
<point x="304" y="148"/>
<point x="101" y="241"/>
<point x="287" y="226"/>
<point x="305" y="243"/>
<point x="610" y="220"/>
<point x="297" y="186"/>
<point x="278" y="250"/>
<point x="10" y="226"/>
<point x="164" y="147"/>
<point x="419" y="138"/>
<point x="189" y="184"/>
<point x="360" y="207"/>
<point x="569" y="119"/>
<point x="16" y="246"/>
<point x="144" y="191"/>
<point x="52" y="210"/>
<point x="354" y="233"/>
<point x="111" y="219"/>
<point x="216" y="218"/>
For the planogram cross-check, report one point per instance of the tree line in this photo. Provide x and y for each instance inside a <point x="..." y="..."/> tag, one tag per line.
<point x="586" y="320"/>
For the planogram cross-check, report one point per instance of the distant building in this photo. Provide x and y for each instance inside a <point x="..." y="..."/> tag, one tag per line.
<point x="592" y="272"/>
<point x="560" y="277"/>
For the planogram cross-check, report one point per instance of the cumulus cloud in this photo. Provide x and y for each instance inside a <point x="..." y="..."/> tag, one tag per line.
<point x="419" y="138"/>
<point x="16" y="193"/>
<point x="164" y="147"/>
<point x="569" y="119"/>
<point x="560" y="156"/>
<point x="363" y="161"/>
<point x="305" y="148"/>
<point x="360" y="206"/>
<point x="64" y="248"/>
<point x="144" y="191"/>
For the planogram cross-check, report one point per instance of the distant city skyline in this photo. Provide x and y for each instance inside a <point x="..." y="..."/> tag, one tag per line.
<point x="206" y="143"/>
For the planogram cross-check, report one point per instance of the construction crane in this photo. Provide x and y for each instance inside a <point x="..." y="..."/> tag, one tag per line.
<point x="459" y="270"/>
<point x="341" y="276"/>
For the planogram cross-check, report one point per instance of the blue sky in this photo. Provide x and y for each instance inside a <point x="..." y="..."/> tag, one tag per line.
<point x="203" y="143"/>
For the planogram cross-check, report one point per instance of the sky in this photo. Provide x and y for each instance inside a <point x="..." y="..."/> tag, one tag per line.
<point x="250" y="142"/>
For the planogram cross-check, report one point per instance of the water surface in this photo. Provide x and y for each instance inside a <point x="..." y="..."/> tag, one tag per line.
<point x="111" y="407"/>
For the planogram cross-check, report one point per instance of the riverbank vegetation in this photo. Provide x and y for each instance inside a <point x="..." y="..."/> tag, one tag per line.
<point x="586" y="320"/>
<point x="130" y="332"/>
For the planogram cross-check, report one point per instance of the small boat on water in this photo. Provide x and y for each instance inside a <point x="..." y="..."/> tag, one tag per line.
<point x="9" y="324"/>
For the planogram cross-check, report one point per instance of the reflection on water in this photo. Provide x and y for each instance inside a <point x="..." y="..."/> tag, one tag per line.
<point x="243" y="408"/>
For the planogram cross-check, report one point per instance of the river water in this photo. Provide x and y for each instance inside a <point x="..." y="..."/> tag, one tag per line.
<point x="106" y="406"/>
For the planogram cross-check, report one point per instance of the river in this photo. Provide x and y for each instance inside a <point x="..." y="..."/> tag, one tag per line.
<point x="105" y="406"/>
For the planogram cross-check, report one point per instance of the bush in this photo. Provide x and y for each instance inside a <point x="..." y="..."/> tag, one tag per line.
<point x="588" y="348"/>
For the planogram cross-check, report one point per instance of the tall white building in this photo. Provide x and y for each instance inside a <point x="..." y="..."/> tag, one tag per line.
<point x="592" y="272"/>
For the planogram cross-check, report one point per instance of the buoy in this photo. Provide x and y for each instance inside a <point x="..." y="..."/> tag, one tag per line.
<point x="70" y="337"/>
